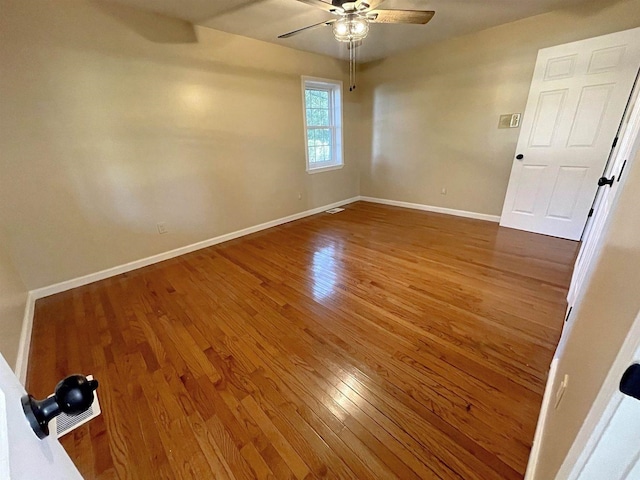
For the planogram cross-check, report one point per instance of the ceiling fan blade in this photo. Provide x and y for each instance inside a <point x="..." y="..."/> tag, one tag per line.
<point x="326" y="6"/>
<point x="304" y="29"/>
<point x="401" y="16"/>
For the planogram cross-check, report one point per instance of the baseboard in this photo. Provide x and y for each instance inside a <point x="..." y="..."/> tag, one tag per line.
<point x="25" y="339"/>
<point x="144" y="262"/>
<point x="431" y="208"/>
<point x="532" y="465"/>
<point x="27" y="322"/>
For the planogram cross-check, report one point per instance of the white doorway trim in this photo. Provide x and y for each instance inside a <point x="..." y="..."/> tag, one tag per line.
<point x="621" y="158"/>
<point x="532" y="465"/>
<point x="590" y="250"/>
<point x="602" y="410"/>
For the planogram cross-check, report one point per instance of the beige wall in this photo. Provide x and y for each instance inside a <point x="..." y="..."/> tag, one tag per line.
<point x="112" y="120"/>
<point x="13" y="299"/>
<point x="599" y="327"/>
<point x="434" y="110"/>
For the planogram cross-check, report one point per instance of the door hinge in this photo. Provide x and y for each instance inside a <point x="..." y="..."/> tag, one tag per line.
<point x="568" y="314"/>
<point x="590" y="213"/>
<point x="615" y="142"/>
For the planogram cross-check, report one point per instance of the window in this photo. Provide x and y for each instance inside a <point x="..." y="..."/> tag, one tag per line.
<point x="322" y="123"/>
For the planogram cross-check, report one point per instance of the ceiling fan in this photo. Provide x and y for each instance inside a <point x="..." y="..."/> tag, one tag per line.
<point x="352" y="26"/>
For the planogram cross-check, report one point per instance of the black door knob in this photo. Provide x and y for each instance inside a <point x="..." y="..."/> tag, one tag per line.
<point x="520" y="156"/>
<point x="606" y="181"/>
<point x="630" y="381"/>
<point x="73" y="396"/>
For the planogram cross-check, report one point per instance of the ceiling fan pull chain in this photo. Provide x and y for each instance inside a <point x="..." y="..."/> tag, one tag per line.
<point x="355" y="65"/>
<point x="350" y="65"/>
<point x="353" y="61"/>
<point x="351" y="46"/>
<point x="351" y="53"/>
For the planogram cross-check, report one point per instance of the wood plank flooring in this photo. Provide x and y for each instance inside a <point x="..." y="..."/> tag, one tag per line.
<point x="375" y="343"/>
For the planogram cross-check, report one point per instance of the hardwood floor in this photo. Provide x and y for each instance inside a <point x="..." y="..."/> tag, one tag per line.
<point x="375" y="343"/>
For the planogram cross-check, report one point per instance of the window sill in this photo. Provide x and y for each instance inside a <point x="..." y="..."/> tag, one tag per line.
<point x="324" y="169"/>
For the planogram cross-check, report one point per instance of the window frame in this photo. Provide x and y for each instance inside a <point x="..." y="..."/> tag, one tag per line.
<point x="334" y="87"/>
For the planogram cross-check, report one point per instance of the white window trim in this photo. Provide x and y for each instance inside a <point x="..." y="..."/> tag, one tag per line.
<point x="337" y="130"/>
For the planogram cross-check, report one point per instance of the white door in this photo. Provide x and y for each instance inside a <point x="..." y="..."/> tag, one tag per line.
<point x="577" y="98"/>
<point x="22" y="454"/>
<point x="622" y="156"/>
<point x="608" y="446"/>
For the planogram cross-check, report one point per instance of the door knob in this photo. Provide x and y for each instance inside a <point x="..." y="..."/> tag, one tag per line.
<point x="73" y="396"/>
<point x="630" y="381"/>
<point x="520" y="156"/>
<point x="606" y="181"/>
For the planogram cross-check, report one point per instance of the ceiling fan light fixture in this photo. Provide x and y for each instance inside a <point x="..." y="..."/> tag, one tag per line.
<point x="350" y="28"/>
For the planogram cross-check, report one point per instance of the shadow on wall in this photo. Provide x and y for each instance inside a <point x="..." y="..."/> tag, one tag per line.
<point x="154" y="27"/>
<point x="588" y="9"/>
<point x="161" y="30"/>
<point x="381" y="169"/>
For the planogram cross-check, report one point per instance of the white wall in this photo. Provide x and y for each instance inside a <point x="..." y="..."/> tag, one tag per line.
<point x="112" y="120"/>
<point x="434" y="111"/>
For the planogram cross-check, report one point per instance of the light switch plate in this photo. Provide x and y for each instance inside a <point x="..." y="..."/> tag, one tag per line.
<point x="509" y="120"/>
<point x="505" y="121"/>
<point x="561" y="389"/>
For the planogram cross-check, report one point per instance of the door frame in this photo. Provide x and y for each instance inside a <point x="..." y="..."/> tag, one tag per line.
<point x="603" y="408"/>
<point x="596" y="227"/>
<point x="593" y="246"/>
<point x="4" y="439"/>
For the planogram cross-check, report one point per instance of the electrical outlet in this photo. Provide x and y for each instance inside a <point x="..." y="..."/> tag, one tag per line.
<point x="561" y="389"/>
<point x="443" y="191"/>
<point x="162" y="228"/>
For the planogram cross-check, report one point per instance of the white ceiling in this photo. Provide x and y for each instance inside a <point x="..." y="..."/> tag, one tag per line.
<point x="266" y="19"/>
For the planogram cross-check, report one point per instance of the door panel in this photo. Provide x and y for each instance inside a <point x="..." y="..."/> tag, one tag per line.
<point x="577" y="98"/>
<point x="590" y="115"/>
<point x="548" y="112"/>
<point x="530" y="179"/>
<point x="565" y="193"/>
<point x="606" y="59"/>
<point x="559" y="68"/>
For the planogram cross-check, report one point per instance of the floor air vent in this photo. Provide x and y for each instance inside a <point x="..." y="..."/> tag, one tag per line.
<point x="334" y="210"/>
<point x="63" y="423"/>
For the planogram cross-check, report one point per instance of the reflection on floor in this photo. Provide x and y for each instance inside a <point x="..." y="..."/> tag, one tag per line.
<point x="375" y="343"/>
